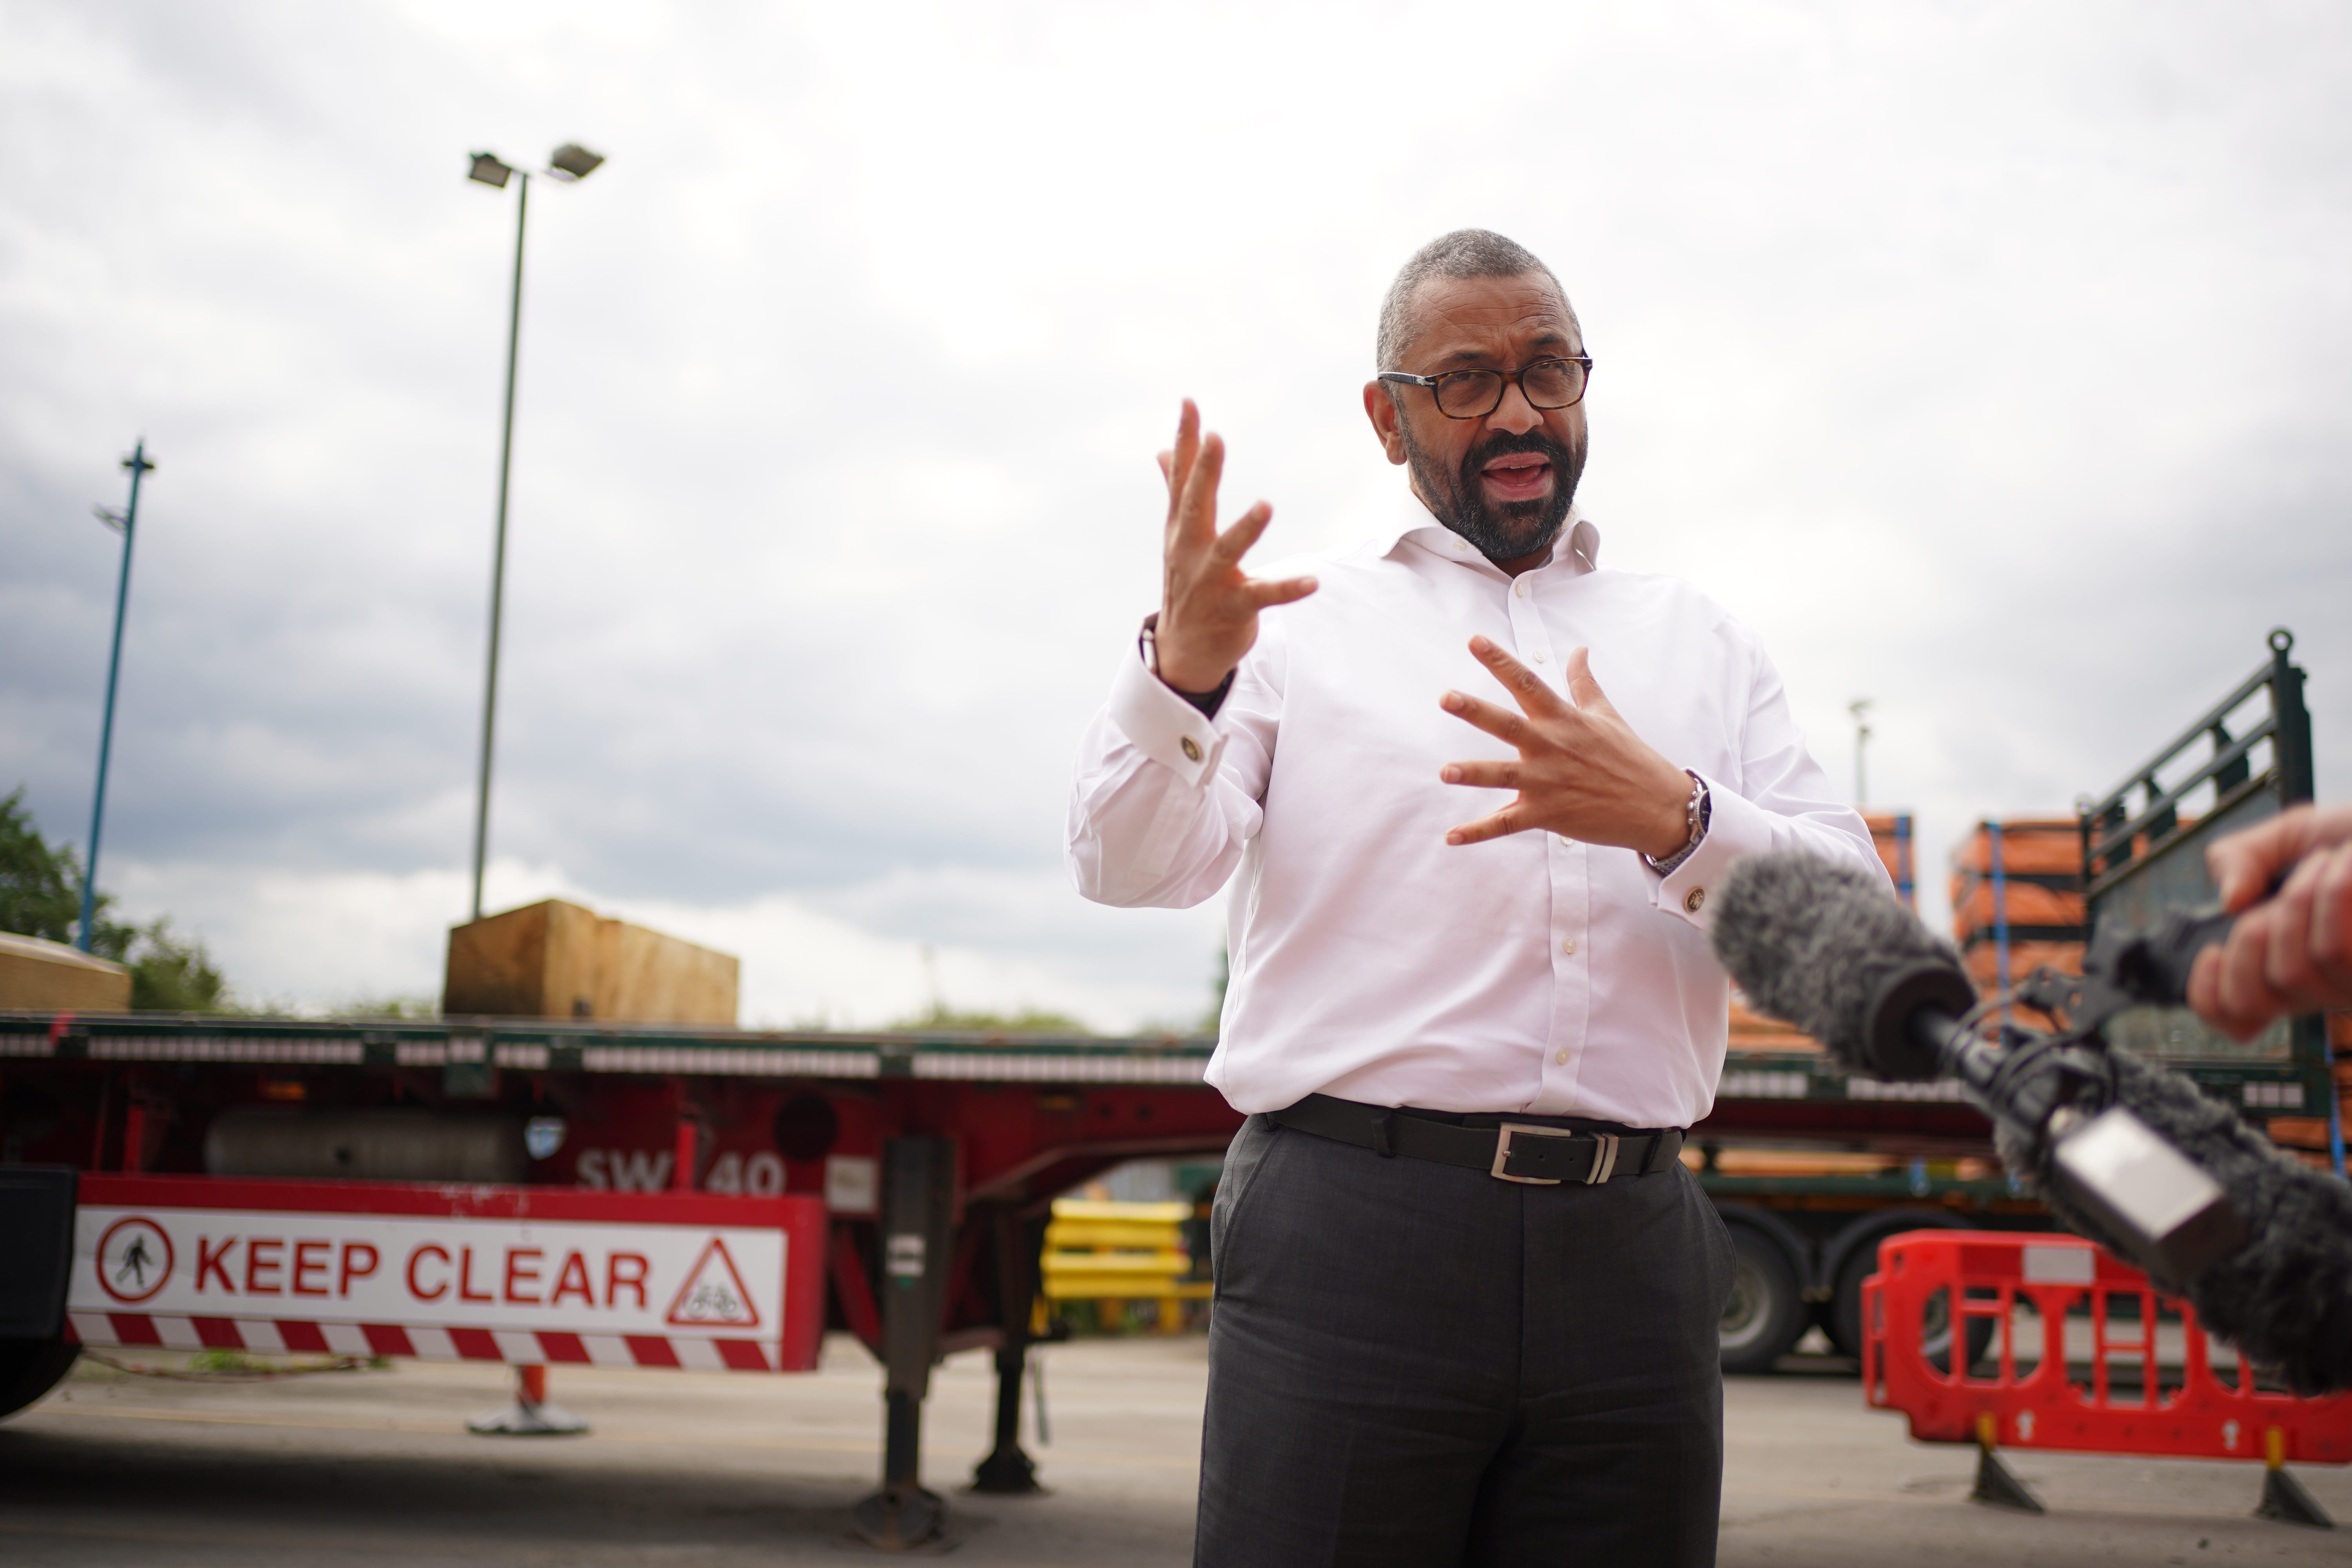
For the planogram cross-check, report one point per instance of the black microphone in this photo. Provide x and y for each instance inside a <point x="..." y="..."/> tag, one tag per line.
<point x="2127" y="1152"/>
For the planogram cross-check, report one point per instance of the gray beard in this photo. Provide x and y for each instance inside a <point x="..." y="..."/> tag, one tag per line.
<point x="1508" y="533"/>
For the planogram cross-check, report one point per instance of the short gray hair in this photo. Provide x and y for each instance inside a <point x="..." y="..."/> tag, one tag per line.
<point x="1464" y="253"/>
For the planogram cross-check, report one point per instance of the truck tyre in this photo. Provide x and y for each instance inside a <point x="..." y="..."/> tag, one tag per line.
<point x="1842" y="1321"/>
<point x="29" y="1369"/>
<point x="1765" y="1312"/>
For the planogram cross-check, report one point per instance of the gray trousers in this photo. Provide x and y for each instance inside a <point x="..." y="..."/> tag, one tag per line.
<point x="1416" y="1364"/>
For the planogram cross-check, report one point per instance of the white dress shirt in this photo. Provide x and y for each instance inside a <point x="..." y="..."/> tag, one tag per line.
<point x="1374" y="961"/>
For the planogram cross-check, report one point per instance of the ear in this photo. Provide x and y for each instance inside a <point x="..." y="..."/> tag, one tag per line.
<point x="1381" y="408"/>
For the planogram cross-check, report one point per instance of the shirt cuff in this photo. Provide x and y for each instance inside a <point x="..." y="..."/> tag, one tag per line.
<point x="1208" y="702"/>
<point x="1161" y="724"/>
<point x="1737" y="827"/>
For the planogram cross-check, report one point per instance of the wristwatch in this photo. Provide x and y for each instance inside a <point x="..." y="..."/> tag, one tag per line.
<point x="1697" y="813"/>
<point x="1208" y="702"/>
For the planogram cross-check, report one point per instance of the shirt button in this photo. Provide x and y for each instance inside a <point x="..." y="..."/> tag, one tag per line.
<point x="1193" y="750"/>
<point x="1519" y="588"/>
<point x="1539" y="656"/>
<point x="1694" y="899"/>
<point x="1560" y="1058"/>
<point x="1568" y="945"/>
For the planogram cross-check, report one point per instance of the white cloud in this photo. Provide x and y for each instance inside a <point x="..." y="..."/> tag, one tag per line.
<point x="1987" y="359"/>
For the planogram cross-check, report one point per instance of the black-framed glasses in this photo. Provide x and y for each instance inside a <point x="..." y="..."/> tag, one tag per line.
<point x="1547" y="384"/>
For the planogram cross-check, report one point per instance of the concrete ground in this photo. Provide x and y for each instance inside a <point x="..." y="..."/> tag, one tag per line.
<point x="375" y="1468"/>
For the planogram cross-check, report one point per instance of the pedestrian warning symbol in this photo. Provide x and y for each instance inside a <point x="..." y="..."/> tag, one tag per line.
<point x="713" y="1295"/>
<point x="134" y="1259"/>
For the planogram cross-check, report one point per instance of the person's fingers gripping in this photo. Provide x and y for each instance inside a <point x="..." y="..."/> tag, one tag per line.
<point x="2204" y="991"/>
<point x="2245" y="995"/>
<point x="2287" y="966"/>
<point x="2331" y="924"/>
<point x="2245" y="864"/>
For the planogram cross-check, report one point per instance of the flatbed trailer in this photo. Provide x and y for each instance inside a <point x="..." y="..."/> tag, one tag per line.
<point x="1016" y="1120"/>
<point x="927" y="1162"/>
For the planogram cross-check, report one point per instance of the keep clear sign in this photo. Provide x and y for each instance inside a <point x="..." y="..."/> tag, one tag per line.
<point x="557" y="1276"/>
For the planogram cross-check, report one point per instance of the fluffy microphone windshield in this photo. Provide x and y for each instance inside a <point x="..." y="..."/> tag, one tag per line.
<point x="2285" y="1297"/>
<point x="1818" y="944"/>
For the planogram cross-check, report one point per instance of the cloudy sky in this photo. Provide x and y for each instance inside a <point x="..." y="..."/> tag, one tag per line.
<point x="1992" y="359"/>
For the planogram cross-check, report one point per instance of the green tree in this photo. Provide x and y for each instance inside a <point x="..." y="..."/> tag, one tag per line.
<point x="40" y="895"/>
<point x="1028" y="1021"/>
<point x="40" y="886"/>
<point x="168" y="976"/>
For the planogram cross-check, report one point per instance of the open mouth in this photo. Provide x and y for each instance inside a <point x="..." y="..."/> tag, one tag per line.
<point x="1518" y="477"/>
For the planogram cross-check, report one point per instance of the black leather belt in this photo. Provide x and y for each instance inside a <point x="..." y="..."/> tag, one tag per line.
<point x="1539" y="1150"/>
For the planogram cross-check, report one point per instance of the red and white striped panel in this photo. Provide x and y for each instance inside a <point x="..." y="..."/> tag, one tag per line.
<point x="525" y="1276"/>
<point x="513" y="1346"/>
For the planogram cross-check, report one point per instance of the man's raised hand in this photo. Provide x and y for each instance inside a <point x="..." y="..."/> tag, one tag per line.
<point x="1208" y="609"/>
<point x="1582" y="772"/>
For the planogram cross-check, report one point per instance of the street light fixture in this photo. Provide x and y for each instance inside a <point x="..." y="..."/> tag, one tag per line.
<point x="573" y="162"/>
<point x="126" y="523"/>
<point x="570" y="163"/>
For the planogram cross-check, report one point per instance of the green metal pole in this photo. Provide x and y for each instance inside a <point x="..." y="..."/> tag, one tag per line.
<point x="2290" y="743"/>
<point x="498" y="555"/>
<point x="138" y="465"/>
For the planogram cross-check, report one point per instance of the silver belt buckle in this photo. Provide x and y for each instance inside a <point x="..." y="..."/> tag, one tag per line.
<point x="1604" y="1157"/>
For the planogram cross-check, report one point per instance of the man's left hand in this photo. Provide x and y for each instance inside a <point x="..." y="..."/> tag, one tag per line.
<point x="1582" y="772"/>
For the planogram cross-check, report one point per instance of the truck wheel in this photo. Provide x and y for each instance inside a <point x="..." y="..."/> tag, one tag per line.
<point x="30" y="1368"/>
<point x="1842" y="1321"/>
<point x="1765" y="1312"/>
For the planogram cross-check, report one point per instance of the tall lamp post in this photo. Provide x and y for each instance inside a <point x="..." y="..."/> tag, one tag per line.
<point x="1860" y="708"/>
<point x="571" y="163"/>
<point x="126" y="523"/>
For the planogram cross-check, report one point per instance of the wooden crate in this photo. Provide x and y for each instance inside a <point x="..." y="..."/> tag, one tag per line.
<point x="557" y="960"/>
<point x="39" y="976"/>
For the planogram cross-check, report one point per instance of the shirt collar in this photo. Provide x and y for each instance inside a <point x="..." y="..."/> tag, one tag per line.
<point x="1580" y="541"/>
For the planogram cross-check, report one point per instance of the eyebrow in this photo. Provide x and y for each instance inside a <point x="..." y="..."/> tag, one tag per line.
<point x="1547" y="345"/>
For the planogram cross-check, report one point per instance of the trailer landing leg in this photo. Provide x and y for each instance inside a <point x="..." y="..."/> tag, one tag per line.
<point x="918" y="1201"/>
<point x="1007" y="1471"/>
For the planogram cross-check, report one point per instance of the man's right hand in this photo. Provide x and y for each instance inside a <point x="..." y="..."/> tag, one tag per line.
<point x="1208" y="609"/>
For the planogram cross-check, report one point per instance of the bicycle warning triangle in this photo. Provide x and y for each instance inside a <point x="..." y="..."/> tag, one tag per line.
<point x="713" y="1295"/>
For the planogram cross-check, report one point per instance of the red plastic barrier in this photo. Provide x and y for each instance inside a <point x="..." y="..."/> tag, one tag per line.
<point x="2141" y="1377"/>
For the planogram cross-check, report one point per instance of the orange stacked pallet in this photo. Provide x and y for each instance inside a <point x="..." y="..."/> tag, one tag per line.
<point x="1891" y="832"/>
<point x="2017" y="898"/>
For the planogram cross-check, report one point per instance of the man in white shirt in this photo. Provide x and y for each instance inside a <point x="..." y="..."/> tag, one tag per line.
<point x="1466" y="1292"/>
